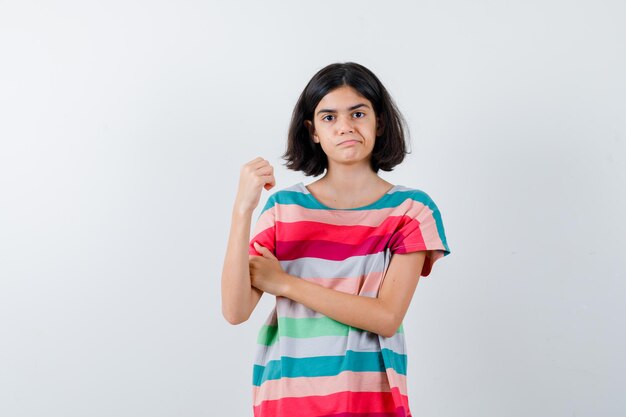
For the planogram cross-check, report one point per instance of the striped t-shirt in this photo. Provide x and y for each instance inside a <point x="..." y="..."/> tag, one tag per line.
<point x="307" y="364"/>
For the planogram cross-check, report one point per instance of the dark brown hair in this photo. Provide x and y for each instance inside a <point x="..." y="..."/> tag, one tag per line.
<point x="303" y="154"/>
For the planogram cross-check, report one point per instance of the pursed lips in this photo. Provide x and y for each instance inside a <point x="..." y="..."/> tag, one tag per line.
<point x="348" y="141"/>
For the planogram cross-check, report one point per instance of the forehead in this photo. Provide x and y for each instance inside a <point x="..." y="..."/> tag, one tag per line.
<point x="342" y="98"/>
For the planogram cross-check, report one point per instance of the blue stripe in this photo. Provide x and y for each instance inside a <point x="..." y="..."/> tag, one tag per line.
<point x="387" y="201"/>
<point x="330" y="365"/>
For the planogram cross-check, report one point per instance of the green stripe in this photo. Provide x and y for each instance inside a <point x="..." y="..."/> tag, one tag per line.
<point x="268" y="335"/>
<point x="304" y="328"/>
<point x="288" y="367"/>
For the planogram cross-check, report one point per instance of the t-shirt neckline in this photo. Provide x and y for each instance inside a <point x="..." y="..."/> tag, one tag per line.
<point x="319" y="203"/>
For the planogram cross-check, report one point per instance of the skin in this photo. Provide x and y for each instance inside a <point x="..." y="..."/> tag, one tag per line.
<point x="345" y="126"/>
<point x="239" y="297"/>
<point x="347" y="135"/>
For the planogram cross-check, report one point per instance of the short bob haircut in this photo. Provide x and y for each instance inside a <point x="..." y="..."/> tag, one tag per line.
<point x="303" y="154"/>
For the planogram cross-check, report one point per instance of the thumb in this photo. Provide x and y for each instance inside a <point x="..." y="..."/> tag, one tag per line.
<point x="264" y="251"/>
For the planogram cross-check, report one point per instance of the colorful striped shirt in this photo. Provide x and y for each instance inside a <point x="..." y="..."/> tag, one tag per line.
<point x="307" y="364"/>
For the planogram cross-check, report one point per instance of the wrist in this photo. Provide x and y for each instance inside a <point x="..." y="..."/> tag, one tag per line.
<point x="239" y="212"/>
<point x="287" y="286"/>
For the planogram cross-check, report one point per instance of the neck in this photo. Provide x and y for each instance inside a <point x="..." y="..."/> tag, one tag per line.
<point x="350" y="179"/>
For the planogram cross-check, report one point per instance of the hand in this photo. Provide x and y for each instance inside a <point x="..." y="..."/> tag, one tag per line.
<point x="253" y="177"/>
<point x="266" y="274"/>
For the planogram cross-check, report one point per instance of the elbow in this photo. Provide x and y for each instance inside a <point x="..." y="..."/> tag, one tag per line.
<point x="388" y="332"/>
<point x="390" y="326"/>
<point x="234" y="318"/>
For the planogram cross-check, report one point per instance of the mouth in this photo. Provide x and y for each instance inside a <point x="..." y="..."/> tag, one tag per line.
<point x="349" y="142"/>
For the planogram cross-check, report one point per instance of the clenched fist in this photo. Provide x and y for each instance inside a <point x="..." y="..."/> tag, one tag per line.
<point x="253" y="177"/>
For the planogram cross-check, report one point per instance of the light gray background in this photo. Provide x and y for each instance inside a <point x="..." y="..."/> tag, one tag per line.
<point x="123" y="125"/>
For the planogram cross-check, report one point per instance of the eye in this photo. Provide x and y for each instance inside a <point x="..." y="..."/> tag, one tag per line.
<point x="328" y="117"/>
<point x="359" y="114"/>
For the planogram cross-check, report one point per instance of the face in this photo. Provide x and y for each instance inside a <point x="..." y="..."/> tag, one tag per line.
<point x="345" y="126"/>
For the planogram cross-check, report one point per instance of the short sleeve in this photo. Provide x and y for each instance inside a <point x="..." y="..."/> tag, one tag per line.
<point x="420" y="228"/>
<point x="264" y="232"/>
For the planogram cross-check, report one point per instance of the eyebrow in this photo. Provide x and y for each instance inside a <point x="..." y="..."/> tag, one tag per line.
<point x="356" y="106"/>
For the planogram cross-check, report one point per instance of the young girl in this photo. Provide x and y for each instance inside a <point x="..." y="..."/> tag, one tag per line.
<point x="342" y="255"/>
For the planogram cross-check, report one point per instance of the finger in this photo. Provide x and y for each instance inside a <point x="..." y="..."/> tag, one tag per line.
<point x="269" y="180"/>
<point x="264" y="170"/>
<point x="254" y="258"/>
<point x="264" y="251"/>
<point x="260" y="163"/>
<point x="253" y="165"/>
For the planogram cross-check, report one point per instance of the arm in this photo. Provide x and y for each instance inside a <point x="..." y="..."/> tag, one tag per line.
<point x="382" y="315"/>
<point x="239" y="298"/>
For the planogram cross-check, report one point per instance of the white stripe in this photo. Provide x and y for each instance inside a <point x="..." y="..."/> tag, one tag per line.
<point x="356" y="341"/>
<point x="354" y="266"/>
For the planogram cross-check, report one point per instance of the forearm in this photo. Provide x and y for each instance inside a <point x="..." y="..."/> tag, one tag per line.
<point x="366" y="313"/>
<point x="238" y="296"/>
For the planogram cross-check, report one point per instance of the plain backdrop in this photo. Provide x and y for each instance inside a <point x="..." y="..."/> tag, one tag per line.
<point x="123" y="125"/>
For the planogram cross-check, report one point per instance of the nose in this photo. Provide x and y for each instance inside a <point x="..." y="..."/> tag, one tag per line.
<point x="344" y="125"/>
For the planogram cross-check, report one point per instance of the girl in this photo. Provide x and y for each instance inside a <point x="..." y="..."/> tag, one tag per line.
<point x="342" y="255"/>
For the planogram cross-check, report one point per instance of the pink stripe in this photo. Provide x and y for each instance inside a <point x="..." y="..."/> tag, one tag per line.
<point x="428" y="227"/>
<point x="332" y="251"/>
<point x="306" y="230"/>
<point x="413" y="220"/>
<point x="314" y="406"/>
<point x="409" y="234"/>
<point x="266" y="239"/>
<point x="265" y="220"/>
<point x="295" y="213"/>
<point x="400" y="412"/>
<point x="397" y="380"/>
<point x="326" y="385"/>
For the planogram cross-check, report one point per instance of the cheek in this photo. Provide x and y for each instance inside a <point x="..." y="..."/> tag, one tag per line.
<point x="324" y="145"/>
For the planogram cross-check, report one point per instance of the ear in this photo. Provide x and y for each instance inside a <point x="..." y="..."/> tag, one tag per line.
<point x="311" y="129"/>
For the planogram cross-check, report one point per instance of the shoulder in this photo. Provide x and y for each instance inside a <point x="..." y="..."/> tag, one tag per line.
<point x="402" y="195"/>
